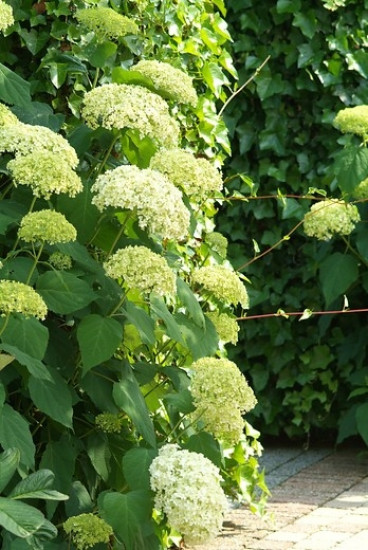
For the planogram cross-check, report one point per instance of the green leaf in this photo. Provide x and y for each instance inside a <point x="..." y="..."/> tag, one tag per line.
<point x="52" y="397"/>
<point x="34" y="40"/>
<point x="19" y="518"/>
<point x="99" y="390"/>
<point x="142" y="321"/>
<point x="181" y="401"/>
<point x="361" y="416"/>
<point x="136" y="463"/>
<point x="214" y="76"/>
<point x="13" y="88"/>
<point x="287" y="6"/>
<point x="351" y="167"/>
<point x="37" y="485"/>
<point x="34" y="366"/>
<point x="201" y="342"/>
<point x="307" y="22"/>
<point x="127" y="395"/>
<point x="9" y="461"/>
<point x="99" y="54"/>
<point x="64" y="292"/>
<point x="269" y="85"/>
<point x="159" y="308"/>
<point x="189" y="300"/>
<point x="79" y="501"/>
<point x="127" y="514"/>
<point x="98" y="338"/>
<point x="99" y="454"/>
<point x="17" y="269"/>
<point x="28" y="335"/>
<point x="39" y="114"/>
<point x="336" y="274"/>
<point x="207" y="445"/>
<point x="15" y="433"/>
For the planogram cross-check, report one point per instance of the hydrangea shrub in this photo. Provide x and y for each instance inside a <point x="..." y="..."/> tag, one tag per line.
<point x="117" y="301"/>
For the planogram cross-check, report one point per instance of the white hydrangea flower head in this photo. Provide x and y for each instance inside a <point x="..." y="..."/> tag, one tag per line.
<point x="221" y="395"/>
<point x="195" y="176"/>
<point x="330" y="217"/>
<point x="25" y="139"/>
<point x="106" y="23"/>
<point x="16" y="297"/>
<point x="223" y="283"/>
<point x="361" y="190"/>
<point x="157" y="202"/>
<point x="188" y="492"/>
<point x="7" y="118"/>
<point x="353" y="120"/>
<point x="46" y="226"/>
<point x="143" y="269"/>
<point x="46" y="173"/>
<point x="6" y="16"/>
<point x="226" y="326"/>
<point x="130" y="106"/>
<point x="174" y="83"/>
<point x="87" y="530"/>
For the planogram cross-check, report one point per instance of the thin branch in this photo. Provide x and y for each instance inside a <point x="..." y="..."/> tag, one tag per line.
<point x="300" y="314"/>
<point x="256" y="72"/>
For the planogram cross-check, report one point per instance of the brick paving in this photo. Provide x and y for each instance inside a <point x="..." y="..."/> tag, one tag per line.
<point x="319" y="502"/>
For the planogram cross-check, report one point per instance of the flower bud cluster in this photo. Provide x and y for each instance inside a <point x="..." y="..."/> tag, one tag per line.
<point x="60" y="261"/>
<point x="172" y="82"/>
<point x="142" y="269"/>
<point x="86" y="530"/>
<point x="157" y="202"/>
<point x="195" y="176"/>
<point x="330" y="217"/>
<point x="221" y="395"/>
<point x="188" y="492"/>
<point x="129" y="106"/>
<point x="109" y="423"/>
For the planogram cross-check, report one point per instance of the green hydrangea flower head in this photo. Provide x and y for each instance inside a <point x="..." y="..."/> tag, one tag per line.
<point x="16" y="297"/>
<point x="129" y="106"/>
<point x="142" y="269"/>
<point x="221" y="395"/>
<point x="6" y="16"/>
<point x="7" y="118"/>
<point x="173" y="83"/>
<point x="157" y="203"/>
<point x="188" y="491"/>
<point x="353" y="120"/>
<point x="60" y="261"/>
<point x="226" y="326"/>
<point x="223" y="283"/>
<point x="195" y="176"/>
<point x="46" y="226"/>
<point x="25" y="139"/>
<point x="46" y="173"/>
<point x="109" y="423"/>
<point x="217" y="242"/>
<point x="361" y="190"/>
<point x="106" y="23"/>
<point x="329" y="218"/>
<point x="86" y="530"/>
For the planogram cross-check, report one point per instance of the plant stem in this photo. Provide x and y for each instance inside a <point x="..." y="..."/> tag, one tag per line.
<point x="107" y="155"/>
<point x="300" y="314"/>
<point x="5" y="323"/>
<point x="95" y="80"/>
<point x="118" y="305"/>
<point x="34" y="264"/>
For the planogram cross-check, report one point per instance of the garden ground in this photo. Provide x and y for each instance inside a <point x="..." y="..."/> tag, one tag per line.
<point x="319" y="502"/>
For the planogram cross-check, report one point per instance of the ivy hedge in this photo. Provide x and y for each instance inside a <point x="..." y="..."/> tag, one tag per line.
<point x="310" y="375"/>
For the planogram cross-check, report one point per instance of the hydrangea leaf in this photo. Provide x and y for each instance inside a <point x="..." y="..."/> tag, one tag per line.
<point x="351" y="167"/>
<point x="27" y="334"/>
<point x="15" y="433"/>
<point x="64" y="292"/>
<point x="19" y="518"/>
<point x="361" y="420"/>
<point x="98" y="338"/>
<point x="9" y="461"/>
<point x="13" y="88"/>
<point x="37" y="485"/>
<point x="52" y="397"/>
<point x="337" y="272"/>
<point x="205" y="444"/>
<point x="136" y="463"/>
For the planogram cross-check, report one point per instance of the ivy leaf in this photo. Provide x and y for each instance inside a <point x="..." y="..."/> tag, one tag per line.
<point x="13" y="89"/>
<point x="351" y="167"/>
<point x="336" y="274"/>
<point x="98" y="338"/>
<point x="214" y="77"/>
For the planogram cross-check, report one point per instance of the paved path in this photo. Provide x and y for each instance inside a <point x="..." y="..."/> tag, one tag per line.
<point x="319" y="502"/>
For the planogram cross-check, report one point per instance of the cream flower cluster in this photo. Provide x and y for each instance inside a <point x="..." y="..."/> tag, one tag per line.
<point x="87" y="530"/>
<point x="106" y="22"/>
<point x="217" y="242"/>
<point x="109" y="423"/>
<point x="173" y="82"/>
<point x="353" y="120"/>
<point x="188" y="492"/>
<point x="60" y="261"/>
<point x="157" y="202"/>
<point x="223" y="283"/>
<point x="195" y="176"/>
<point x="46" y="173"/>
<point x="330" y="217"/>
<point x="361" y="190"/>
<point x="142" y="269"/>
<point x="27" y="139"/>
<point x="17" y="297"/>
<point x="46" y="226"/>
<point x="220" y="394"/>
<point x="7" y="118"/>
<point x="226" y="327"/>
<point x="129" y="106"/>
<point x="6" y="16"/>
